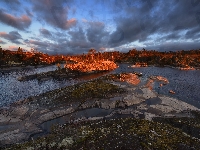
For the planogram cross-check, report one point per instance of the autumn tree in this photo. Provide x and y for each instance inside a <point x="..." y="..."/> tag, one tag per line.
<point x="19" y="55"/>
<point x="91" y="53"/>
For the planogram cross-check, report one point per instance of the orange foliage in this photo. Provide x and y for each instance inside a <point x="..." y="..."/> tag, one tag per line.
<point x="130" y="78"/>
<point x="92" y="66"/>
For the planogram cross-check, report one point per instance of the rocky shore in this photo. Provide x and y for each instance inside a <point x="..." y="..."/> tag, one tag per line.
<point x="121" y="94"/>
<point x="19" y="67"/>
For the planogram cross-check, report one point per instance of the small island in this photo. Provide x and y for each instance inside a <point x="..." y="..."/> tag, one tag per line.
<point x="72" y="69"/>
<point x="92" y="66"/>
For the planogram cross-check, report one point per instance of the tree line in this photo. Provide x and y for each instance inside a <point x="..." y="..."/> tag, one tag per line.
<point x="33" y="57"/>
<point x="150" y="57"/>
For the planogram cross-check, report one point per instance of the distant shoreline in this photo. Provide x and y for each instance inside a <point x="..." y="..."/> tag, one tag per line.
<point x="10" y="68"/>
<point x="179" y="68"/>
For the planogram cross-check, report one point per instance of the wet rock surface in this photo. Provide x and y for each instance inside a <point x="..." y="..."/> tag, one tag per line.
<point x="24" y="119"/>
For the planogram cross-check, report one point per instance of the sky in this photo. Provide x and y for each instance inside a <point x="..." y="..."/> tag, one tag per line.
<point x="75" y="26"/>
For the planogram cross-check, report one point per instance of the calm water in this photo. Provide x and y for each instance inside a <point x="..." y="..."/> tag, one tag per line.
<point x="186" y="84"/>
<point x="12" y="90"/>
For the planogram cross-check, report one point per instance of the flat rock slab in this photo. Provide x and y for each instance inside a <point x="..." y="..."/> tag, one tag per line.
<point x="163" y="108"/>
<point x="107" y="104"/>
<point x="54" y="114"/>
<point x="176" y="104"/>
<point x="149" y="116"/>
<point x="19" y="110"/>
<point x="172" y="105"/>
<point x="155" y="111"/>
<point x="132" y="100"/>
<point x="137" y="91"/>
<point x="8" y="119"/>
<point x="153" y="101"/>
<point x="142" y="107"/>
<point x="148" y="93"/>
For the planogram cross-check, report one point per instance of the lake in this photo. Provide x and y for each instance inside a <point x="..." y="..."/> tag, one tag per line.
<point x="186" y="84"/>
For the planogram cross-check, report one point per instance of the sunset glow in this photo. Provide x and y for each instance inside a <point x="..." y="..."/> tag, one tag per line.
<point x="74" y="27"/>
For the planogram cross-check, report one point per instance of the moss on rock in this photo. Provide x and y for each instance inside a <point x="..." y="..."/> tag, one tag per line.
<point x="123" y="133"/>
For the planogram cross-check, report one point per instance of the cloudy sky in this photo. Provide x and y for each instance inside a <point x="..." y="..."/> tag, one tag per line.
<point x="75" y="26"/>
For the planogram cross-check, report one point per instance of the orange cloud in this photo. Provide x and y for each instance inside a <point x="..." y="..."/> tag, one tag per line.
<point x="20" y="23"/>
<point x="2" y="33"/>
<point x="13" y="47"/>
<point x="70" y="23"/>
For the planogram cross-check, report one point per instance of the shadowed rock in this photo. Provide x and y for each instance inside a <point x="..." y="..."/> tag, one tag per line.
<point x="153" y="101"/>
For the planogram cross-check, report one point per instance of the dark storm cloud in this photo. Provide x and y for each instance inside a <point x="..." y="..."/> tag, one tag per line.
<point x="137" y="26"/>
<point x="45" y="32"/>
<point x="171" y="36"/>
<point x="155" y="24"/>
<point x="20" y="23"/>
<point x="96" y="33"/>
<point x="78" y="41"/>
<point x="95" y="36"/>
<point x="12" y="36"/>
<point x="29" y="13"/>
<point x="42" y="46"/>
<point x="116" y="37"/>
<point x="39" y="43"/>
<point x="74" y="41"/>
<point x="192" y="32"/>
<point x="175" y="46"/>
<point x="150" y="17"/>
<point x="45" y="46"/>
<point x="54" y="13"/>
<point x="77" y="35"/>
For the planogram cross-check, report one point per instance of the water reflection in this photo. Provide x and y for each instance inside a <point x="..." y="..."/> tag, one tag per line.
<point x="86" y="113"/>
<point x="92" y="76"/>
<point x="12" y="89"/>
<point x="92" y="112"/>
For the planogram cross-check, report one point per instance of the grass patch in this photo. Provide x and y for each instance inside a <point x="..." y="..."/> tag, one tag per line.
<point x="126" y="133"/>
<point x="77" y="93"/>
<point x="93" y="89"/>
<point x="191" y="126"/>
